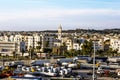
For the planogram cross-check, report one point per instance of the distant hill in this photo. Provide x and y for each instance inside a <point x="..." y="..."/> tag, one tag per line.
<point x="105" y="31"/>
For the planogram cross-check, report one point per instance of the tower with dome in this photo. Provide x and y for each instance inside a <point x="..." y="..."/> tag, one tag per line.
<point x="60" y="32"/>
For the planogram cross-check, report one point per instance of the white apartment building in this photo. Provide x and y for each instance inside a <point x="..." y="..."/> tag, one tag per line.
<point x="115" y="44"/>
<point x="10" y="43"/>
<point x="57" y="43"/>
<point x="97" y="47"/>
<point x="106" y="38"/>
<point x="98" y="42"/>
<point x="11" y="38"/>
<point x="7" y="48"/>
<point x="69" y="44"/>
<point x="17" y="38"/>
<point x="47" y="41"/>
<point x="101" y="44"/>
<point x="4" y="38"/>
<point x="76" y="46"/>
<point x="32" y="41"/>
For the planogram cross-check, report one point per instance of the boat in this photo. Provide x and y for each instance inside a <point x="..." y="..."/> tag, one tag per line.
<point x="111" y="65"/>
<point x="87" y="66"/>
<point x="27" y="77"/>
<point x="87" y="58"/>
<point x="39" y="62"/>
<point x="72" y="65"/>
<point x="114" y="59"/>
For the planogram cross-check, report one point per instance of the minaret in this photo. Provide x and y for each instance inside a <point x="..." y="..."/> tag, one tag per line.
<point x="59" y="32"/>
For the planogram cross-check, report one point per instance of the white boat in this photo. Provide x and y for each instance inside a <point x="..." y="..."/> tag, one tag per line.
<point x="45" y="71"/>
<point x="51" y="74"/>
<point x="114" y="65"/>
<point x="72" y="65"/>
<point x="86" y="65"/>
<point x="39" y="62"/>
<point x="118" y="72"/>
<point x="67" y="60"/>
<point x="29" y="75"/>
<point x="64" y="63"/>
<point x="111" y="65"/>
<point x="87" y="58"/>
<point x="114" y="59"/>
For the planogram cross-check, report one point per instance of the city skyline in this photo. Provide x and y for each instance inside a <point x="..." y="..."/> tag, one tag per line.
<point x="38" y="15"/>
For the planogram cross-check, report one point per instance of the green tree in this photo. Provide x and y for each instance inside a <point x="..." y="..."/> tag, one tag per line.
<point x="100" y="53"/>
<point x="39" y="46"/>
<point x="67" y="54"/>
<point x="47" y="50"/>
<point x="64" y="44"/>
<point x="111" y="52"/>
<point x="30" y="51"/>
<point x="78" y="52"/>
<point x="114" y="52"/>
<point x="72" y="52"/>
<point x="46" y="43"/>
<point x="14" y="54"/>
<point x="87" y="48"/>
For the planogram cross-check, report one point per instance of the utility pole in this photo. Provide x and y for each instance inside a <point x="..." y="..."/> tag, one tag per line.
<point x="30" y="56"/>
<point x="2" y="61"/>
<point x="94" y="62"/>
<point x="94" y="43"/>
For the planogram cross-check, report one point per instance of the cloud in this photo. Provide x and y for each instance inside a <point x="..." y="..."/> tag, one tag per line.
<point x="55" y="13"/>
<point x="49" y="17"/>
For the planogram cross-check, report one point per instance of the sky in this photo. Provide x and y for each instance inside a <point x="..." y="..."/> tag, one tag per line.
<point x="38" y="15"/>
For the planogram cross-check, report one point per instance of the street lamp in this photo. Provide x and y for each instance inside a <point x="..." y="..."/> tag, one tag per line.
<point x="2" y="61"/>
<point x="30" y="55"/>
<point x="94" y="62"/>
<point x="94" y="42"/>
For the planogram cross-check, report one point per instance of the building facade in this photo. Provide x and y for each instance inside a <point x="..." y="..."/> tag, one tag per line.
<point x="7" y="48"/>
<point x="115" y="44"/>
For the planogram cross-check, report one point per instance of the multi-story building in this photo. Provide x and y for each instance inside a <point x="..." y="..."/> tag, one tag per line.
<point x="76" y="46"/>
<point x="98" y="42"/>
<point x="57" y="43"/>
<point x="7" y="48"/>
<point x="17" y="38"/>
<point x="32" y="41"/>
<point x="115" y="44"/>
<point x="69" y="44"/>
<point x="47" y="41"/>
<point x="101" y="44"/>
